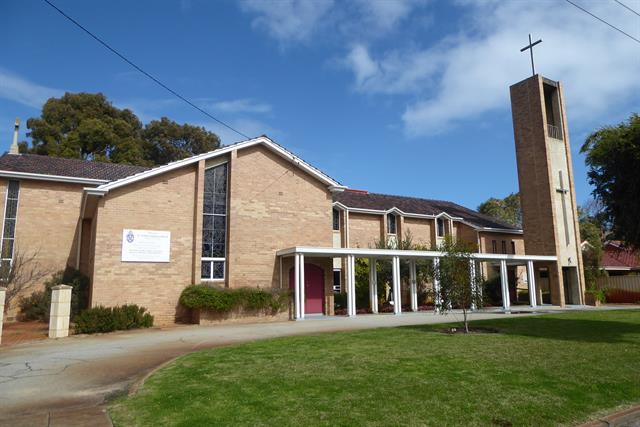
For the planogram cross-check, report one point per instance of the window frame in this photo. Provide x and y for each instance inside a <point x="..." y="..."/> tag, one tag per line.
<point x="213" y="260"/>
<point x="335" y="213"/>
<point x="504" y="246"/>
<point x="494" y="246"/>
<point x="440" y="221"/>
<point x="4" y="223"/>
<point x="395" y="224"/>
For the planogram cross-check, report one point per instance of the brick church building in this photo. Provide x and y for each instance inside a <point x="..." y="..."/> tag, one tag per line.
<point x="253" y="214"/>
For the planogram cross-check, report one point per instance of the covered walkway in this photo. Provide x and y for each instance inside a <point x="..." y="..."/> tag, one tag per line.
<point x="395" y="256"/>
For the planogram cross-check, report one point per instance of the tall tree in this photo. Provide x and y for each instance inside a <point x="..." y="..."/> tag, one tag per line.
<point x="507" y="209"/>
<point x="613" y="161"/>
<point x="168" y="141"/>
<point x="87" y="126"/>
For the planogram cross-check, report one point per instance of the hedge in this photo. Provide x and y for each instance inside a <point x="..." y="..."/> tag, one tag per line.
<point x="38" y="305"/>
<point x="223" y="300"/>
<point x="109" y="319"/>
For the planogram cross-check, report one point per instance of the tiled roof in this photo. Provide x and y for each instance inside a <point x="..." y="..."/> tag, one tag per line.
<point x="47" y="165"/>
<point x="617" y="256"/>
<point x="413" y="205"/>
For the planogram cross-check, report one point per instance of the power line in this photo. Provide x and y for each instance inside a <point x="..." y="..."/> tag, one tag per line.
<point x="626" y="7"/>
<point x="599" y="19"/>
<point x="128" y="61"/>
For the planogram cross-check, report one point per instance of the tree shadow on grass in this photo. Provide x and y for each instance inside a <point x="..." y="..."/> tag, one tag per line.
<point x="558" y="328"/>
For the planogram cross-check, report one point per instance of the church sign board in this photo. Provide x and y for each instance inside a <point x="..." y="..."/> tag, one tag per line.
<point x="146" y="245"/>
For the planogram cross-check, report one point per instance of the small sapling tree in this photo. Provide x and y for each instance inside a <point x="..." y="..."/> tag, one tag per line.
<point x="458" y="287"/>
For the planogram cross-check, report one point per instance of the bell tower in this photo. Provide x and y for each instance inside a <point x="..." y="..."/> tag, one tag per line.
<point x="547" y="195"/>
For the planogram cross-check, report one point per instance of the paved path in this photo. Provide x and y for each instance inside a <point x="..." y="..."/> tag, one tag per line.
<point x="59" y="382"/>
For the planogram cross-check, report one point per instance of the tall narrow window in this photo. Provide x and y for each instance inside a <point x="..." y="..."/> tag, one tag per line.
<point x="494" y="247"/>
<point x="9" y="226"/>
<point x="391" y="224"/>
<point x="504" y="247"/>
<point x="440" y="227"/>
<point x="214" y="223"/>
<point x="336" y="220"/>
<point x="513" y="247"/>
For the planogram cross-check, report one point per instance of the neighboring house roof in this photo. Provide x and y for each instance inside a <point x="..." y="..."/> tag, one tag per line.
<point x="262" y="140"/>
<point x="62" y="169"/>
<point x="362" y="200"/>
<point x="618" y="257"/>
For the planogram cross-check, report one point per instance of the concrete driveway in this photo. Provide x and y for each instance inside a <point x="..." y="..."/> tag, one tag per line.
<point x="64" y="381"/>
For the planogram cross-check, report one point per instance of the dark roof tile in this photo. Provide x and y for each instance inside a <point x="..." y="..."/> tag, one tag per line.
<point x="414" y="205"/>
<point x="47" y="165"/>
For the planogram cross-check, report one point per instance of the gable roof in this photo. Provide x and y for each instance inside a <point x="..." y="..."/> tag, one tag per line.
<point x="62" y="169"/>
<point x="261" y="140"/>
<point x="412" y="205"/>
<point x="618" y="257"/>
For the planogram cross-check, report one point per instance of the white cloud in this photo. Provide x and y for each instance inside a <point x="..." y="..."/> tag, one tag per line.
<point x="362" y="65"/>
<point x="384" y="15"/>
<point x="467" y="74"/>
<point x="244" y="105"/>
<point x="287" y="20"/>
<point x="23" y="91"/>
<point x="397" y="72"/>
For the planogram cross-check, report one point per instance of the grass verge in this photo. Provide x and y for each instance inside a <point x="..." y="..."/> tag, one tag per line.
<point x="543" y="370"/>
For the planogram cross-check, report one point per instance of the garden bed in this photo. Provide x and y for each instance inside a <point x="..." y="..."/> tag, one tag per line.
<point x="207" y="317"/>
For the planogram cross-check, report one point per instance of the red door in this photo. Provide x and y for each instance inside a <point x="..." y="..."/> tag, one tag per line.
<point x="313" y="288"/>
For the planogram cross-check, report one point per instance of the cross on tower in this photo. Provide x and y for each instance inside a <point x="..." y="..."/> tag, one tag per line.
<point x="563" y="193"/>
<point x="530" y="47"/>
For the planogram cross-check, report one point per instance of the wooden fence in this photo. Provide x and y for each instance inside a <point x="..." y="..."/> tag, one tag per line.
<point x="621" y="289"/>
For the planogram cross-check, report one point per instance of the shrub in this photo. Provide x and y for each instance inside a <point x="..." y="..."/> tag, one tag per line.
<point x="37" y="306"/>
<point x="492" y="289"/>
<point x="108" y="319"/>
<point x="224" y="300"/>
<point x="340" y="300"/>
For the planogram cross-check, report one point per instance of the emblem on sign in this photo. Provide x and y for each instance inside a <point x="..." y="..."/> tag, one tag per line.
<point x="130" y="236"/>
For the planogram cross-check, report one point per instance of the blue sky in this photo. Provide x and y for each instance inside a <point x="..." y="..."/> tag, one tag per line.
<point x="404" y="97"/>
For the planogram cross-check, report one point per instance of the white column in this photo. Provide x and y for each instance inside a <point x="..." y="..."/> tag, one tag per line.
<point x="472" y="276"/>
<point x="397" y="304"/>
<point x="436" y="285"/>
<point x="302" y="296"/>
<point x="373" y="285"/>
<point x="351" y="286"/>
<point x="504" y="281"/>
<point x="531" y="280"/>
<point x="280" y="260"/>
<point x="296" y="286"/>
<point x="60" y="311"/>
<point x="3" y="292"/>
<point x="413" y="285"/>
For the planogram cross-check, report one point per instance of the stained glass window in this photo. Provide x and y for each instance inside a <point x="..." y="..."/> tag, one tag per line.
<point x="336" y="220"/>
<point x="391" y="224"/>
<point x="9" y="226"/>
<point x="214" y="223"/>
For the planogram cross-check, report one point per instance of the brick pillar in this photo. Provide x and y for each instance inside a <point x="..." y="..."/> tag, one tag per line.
<point x="60" y="311"/>
<point x="3" y="292"/>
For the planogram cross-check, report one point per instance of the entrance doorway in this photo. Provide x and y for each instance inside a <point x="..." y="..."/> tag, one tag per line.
<point x="570" y="284"/>
<point x="313" y="288"/>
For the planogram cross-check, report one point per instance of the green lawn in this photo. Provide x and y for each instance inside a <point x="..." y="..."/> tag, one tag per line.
<point x="544" y="370"/>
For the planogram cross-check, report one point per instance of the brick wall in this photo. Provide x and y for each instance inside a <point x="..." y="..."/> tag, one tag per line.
<point x="421" y="230"/>
<point x="365" y="229"/>
<point x="273" y="205"/>
<point x="47" y="224"/>
<point x="164" y="202"/>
